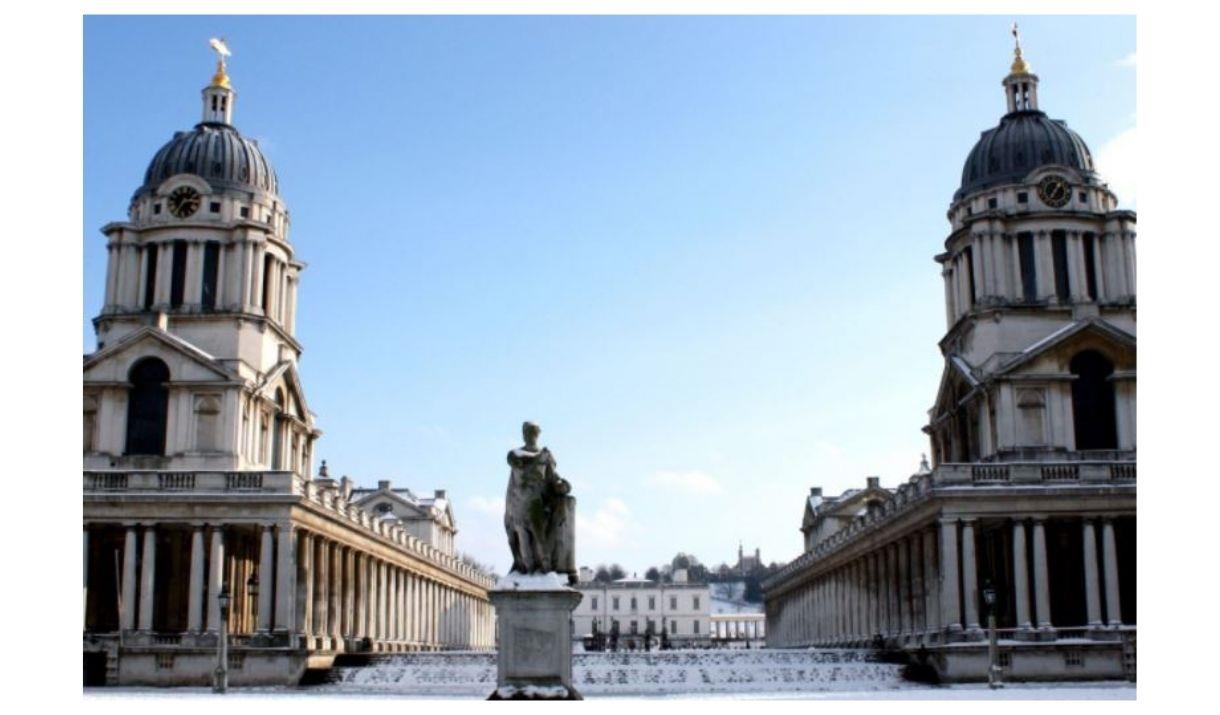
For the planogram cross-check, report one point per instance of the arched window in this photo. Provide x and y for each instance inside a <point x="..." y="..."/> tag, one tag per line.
<point x="1093" y="401"/>
<point x="147" y="407"/>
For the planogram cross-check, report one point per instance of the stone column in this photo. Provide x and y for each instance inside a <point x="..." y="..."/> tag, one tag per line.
<point x="216" y="575"/>
<point x="305" y="580"/>
<point x="349" y="593"/>
<point x="382" y="622"/>
<point x="285" y="579"/>
<point x="904" y="588"/>
<point x="1109" y="546"/>
<point x="1020" y="578"/>
<point x="395" y="622"/>
<point x="148" y="565"/>
<point x="321" y="609"/>
<point x="127" y="615"/>
<point x="914" y="546"/>
<point x="1092" y="593"/>
<point x="266" y="580"/>
<point x="891" y="582"/>
<point x="194" y="600"/>
<point x="85" y="576"/>
<point x="950" y="606"/>
<point x="931" y="604"/>
<point x="970" y="580"/>
<point x="336" y="593"/>
<point x="1042" y="593"/>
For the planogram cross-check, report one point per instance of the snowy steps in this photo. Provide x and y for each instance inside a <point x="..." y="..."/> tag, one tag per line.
<point x="657" y="672"/>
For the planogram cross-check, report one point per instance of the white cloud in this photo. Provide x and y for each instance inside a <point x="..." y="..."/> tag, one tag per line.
<point x="1128" y="61"/>
<point x="1118" y="165"/>
<point x="488" y="506"/>
<point x="689" y="482"/>
<point x="609" y="526"/>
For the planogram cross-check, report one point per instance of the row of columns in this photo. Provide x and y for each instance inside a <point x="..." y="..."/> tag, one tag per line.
<point x="994" y="269"/>
<point x="924" y="587"/>
<point x="239" y="277"/>
<point x="346" y="595"/>
<point x="738" y="629"/>
<point x="326" y="592"/>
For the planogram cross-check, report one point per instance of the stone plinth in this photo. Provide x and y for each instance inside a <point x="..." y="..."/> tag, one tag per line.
<point x="534" y="614"/>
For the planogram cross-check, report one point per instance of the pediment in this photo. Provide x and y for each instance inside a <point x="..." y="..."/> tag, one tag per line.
<point x="1052" y="353"/>
<point x="186" y="362"/>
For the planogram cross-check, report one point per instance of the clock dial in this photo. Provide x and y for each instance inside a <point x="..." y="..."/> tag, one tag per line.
<point x="1054" y="191"/>
<point x="184" y="201"/>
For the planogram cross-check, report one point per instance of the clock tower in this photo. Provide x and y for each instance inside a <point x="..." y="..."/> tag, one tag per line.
<point x="1039" y="272"/>
<point x="196" y="357"/>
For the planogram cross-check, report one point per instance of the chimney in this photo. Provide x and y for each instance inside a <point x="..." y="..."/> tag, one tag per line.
<point x="874" y="482"/>
<point x="439" y="493"/>
<point x="815" y="491"/>
<point x="383" y="485"/>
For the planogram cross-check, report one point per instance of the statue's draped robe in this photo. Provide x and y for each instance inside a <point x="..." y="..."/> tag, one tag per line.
<point x="539" y="514"/>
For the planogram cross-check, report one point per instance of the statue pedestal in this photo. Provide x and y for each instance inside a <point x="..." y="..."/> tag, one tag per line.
<point x="534" y="617"/>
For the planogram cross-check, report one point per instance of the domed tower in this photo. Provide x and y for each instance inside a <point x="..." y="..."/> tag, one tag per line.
<point x="1039" y="271"/>
<point x="200" y="308"/>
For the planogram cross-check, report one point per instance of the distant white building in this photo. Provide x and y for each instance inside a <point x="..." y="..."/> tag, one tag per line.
<point x="682" y="610"/>
<point x="429" y="519"/>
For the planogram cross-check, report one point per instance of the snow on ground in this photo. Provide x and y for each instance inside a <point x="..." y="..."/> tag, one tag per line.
<point x="730" y="597"/>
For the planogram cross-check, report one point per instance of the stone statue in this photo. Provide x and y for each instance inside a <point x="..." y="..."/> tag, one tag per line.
<point x="539" y="513"/>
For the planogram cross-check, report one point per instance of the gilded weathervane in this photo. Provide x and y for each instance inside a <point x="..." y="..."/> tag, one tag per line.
<point x="221" y="78"/>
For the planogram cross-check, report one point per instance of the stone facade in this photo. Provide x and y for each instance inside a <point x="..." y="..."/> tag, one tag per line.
<point x="682" y="609"/>
<point x="1031" y="491"/>
<point x="198" y="445"/>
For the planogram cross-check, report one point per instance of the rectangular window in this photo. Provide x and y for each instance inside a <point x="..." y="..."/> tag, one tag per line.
<point x="1090" y="270"/>
<point x="614" y="603"/>
<point x="211" y="263"/>
<point x="694" y="626"/>
<point x="1084" y="198"/>
<point x="1059" y="254"/>
<point x="177" y="284"/>
<point x="652" y="603"/>
<point x="696" y="602"/>
<point x="970" y="274"/>
<point x="214" y="207"/>
<point x="673" y="603"/>
<point x="673" y="627"/>
<point x="992" y="203"/>
<point x="1029" y="273"/>
<point x="150" y="276"/>
<point x="634" y="604"/>
<point x="594" y="604"/>
<point x="635" y="627"/>
<point x="267" y="263"/>
<point x="156" y="208"/>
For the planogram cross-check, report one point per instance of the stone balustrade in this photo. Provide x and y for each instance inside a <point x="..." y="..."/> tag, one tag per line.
<point x="957" y="475"/>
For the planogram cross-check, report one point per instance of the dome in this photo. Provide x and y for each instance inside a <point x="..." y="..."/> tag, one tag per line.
<point x="217" y="154"/>
<point x="1024" y="141"/>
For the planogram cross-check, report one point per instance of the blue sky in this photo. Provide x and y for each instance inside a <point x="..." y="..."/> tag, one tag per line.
<point x="697" y="251"/>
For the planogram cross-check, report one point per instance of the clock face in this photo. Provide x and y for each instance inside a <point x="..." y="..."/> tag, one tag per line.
<point x="1054" y="191"/>
<point x="184" y="201"/>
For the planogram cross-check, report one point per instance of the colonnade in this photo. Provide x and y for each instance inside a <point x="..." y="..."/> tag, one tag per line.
<point x="925" y="587"/>
<point x="284" y="582"/>
<point x="729" y="627"/>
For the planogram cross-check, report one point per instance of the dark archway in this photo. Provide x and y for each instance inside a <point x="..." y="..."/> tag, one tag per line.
<point x="1093" y="401"/>
<point x="147" y="407"/>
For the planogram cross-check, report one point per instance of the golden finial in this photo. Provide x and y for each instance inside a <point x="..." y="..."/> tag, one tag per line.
<point x="221" y="78"/>
<point x="1019" y="65"/>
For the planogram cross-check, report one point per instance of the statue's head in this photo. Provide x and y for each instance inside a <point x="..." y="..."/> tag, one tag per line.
<point x="531" y="431"/>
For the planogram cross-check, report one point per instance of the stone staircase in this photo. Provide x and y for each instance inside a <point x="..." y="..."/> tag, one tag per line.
<point x="473" y="674"/>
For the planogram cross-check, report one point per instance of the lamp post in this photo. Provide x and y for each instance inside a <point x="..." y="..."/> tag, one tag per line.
<point x="993" y="664"/>
<point x="220" y="679"/>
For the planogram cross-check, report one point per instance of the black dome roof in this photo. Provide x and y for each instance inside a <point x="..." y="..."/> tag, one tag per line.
<point x="1024" y="141"/>
<point x="216" y="153"/>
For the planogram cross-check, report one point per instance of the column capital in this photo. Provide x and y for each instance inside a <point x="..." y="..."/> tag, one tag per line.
<point x="946" y="520"/>
<point x="968" y="520"/>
